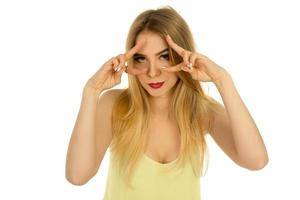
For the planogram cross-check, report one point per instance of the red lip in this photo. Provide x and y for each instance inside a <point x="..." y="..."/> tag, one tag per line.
<point x="156" y="85"/>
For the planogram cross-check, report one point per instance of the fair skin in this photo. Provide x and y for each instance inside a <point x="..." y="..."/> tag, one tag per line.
<point x="233" y="129"/>
<point x="152" y="56"/>
<point x="90" y="140"/>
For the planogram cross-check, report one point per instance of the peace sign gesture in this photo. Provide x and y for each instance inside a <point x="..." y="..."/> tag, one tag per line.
<point x="199" y="66"/>
<point x="111" y="71"/>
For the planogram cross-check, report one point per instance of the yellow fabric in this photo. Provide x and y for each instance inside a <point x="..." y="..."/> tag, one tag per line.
<point x="149" y="184"/>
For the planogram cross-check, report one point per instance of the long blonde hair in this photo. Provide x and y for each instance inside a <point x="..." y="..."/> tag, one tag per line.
<point x="190" y="107"/>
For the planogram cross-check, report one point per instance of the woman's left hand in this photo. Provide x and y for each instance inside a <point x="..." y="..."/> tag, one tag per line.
<point x="199" y="66"/>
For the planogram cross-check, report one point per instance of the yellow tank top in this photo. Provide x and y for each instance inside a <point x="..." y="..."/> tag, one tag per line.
<point x="149" y="184"/>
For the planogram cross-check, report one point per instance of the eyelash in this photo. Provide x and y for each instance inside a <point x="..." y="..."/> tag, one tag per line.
<point x="166" y="56"/>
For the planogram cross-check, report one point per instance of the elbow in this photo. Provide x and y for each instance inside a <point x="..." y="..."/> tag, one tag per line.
<point x="254" y="164"/>
<point x="260" y="164"/>
<point x="75" y="180"/>
<point x="78" y="174"/>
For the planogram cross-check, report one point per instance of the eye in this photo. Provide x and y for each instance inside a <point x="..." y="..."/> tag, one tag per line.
<point x="165" y="56"/>
<point x="138" y="58"/>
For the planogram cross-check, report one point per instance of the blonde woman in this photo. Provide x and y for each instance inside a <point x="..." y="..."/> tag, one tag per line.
<point x="156" y="127"/>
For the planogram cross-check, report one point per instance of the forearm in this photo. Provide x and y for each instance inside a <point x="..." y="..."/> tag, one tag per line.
<point x="81" y="155"/>
<point x="249" y="143"/>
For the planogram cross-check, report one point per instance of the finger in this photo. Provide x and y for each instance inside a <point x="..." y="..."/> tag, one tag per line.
<point x="187" y="69"/>
<point x="187" y="65"/>
<point x="125" y="66"/>
<point x="174" y="46"/>
<point x="115" y="63"/>
<point x="121" y="70"/>
<point x="186" y="58"/>
<point x="109" y="64"/>
<point x="121" y="59"/>
<point x="174" y="68"/>
<point x="193" y="58"/>
<point x="124" y="69"/>
<point x="134" y="71"/>
<point x="134" y="49"/>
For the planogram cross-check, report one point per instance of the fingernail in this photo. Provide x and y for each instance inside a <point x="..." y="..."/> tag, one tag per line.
<point x="163" y="67"/>
<point x="116" y="67"/>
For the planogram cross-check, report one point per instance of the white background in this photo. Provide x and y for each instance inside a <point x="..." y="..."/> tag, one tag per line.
<point x="49" y="49"/>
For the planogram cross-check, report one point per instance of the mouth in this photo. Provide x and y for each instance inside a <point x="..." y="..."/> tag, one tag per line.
<point x="156" y="85"/>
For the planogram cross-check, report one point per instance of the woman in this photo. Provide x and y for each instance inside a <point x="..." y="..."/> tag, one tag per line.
<point x="156" y="127"/>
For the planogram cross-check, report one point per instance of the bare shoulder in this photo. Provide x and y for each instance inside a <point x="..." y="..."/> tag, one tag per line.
<point x="108" y="97"/>
<point x="104" y="110"/>
<point x="105" y="103"/>
<point x="112" y="92"/>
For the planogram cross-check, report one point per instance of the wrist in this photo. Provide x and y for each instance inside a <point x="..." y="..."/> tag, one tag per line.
<point x="222" y="79"/>
<point x="90" y="92"/>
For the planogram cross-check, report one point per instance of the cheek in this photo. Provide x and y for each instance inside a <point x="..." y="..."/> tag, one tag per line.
<point x="173" y="77"/>
<point x="141" y="78"/>
<point x="141" y="65"/>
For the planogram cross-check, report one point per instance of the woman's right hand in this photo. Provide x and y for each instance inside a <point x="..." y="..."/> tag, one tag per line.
<point x="111" y="71"/>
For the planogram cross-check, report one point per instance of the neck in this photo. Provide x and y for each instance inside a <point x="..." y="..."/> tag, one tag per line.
<point x="160" y="106"/>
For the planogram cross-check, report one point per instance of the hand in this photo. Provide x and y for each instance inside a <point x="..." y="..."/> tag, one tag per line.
<point x="199" y="66"/>
<point x="111" y="71"/>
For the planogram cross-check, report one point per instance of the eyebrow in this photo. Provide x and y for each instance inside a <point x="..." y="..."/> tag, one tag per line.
<point x="139" y="54"/>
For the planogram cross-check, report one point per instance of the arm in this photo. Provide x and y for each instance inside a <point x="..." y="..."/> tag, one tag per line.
<point x="89" y="140"/>
<point x="81" y="153"/>
<point x="234" y="129"/>
<point x="92" y="133"/>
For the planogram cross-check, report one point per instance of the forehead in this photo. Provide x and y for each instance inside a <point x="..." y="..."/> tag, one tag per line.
<point x="154" y="43"/>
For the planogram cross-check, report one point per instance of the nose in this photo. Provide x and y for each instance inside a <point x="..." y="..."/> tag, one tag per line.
<point x="154" y="69"/>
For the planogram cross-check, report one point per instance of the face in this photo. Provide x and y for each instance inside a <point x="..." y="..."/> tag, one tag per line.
<point x="152" y="56"/>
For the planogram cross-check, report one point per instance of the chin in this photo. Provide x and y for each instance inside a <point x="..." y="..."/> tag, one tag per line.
<point x="157" y="94"/>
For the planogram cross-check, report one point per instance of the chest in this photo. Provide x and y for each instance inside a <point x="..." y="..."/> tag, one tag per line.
<point x="163" y="144"/>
